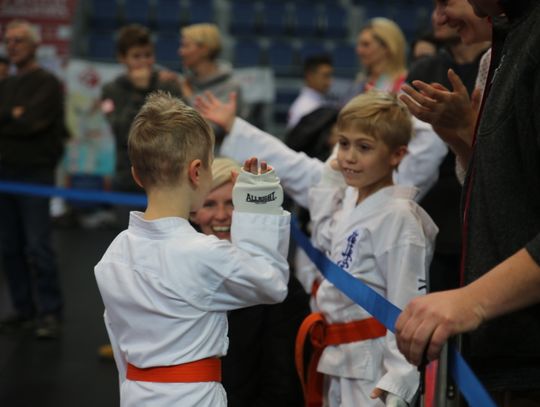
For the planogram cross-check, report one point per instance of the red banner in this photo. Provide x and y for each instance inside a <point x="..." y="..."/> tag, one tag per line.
<point x="52" y="17"/>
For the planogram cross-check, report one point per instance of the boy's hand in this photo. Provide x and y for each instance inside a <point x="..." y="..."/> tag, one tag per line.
<point x="389" y="399"/>
<point x="213" y="109"/>
<point x="140" y="77"/>
<point x="257" y="189"/>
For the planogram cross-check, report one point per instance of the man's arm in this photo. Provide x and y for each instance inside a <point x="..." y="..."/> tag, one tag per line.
<point x="427" y="322"/>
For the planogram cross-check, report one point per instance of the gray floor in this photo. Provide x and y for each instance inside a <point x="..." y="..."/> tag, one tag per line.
<point x="65" y="372"/>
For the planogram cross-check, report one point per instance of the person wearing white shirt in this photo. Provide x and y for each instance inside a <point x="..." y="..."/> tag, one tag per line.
<point x="318" y="71"/>
<point x="167" y="288"/>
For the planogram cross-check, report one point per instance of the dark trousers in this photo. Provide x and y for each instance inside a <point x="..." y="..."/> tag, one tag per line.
<point x="28" y="259"/>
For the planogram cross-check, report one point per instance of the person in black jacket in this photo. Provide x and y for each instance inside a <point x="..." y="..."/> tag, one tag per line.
<point x="258" y="370"/>
<point x="32" y="135"/>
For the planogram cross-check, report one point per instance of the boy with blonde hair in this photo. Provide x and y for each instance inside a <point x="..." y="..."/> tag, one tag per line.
<point x="167" y="288"/>
<point x="374" y="230"/>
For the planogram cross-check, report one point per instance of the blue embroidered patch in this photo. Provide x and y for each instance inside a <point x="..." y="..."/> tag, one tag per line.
<point x="347" y="253"/>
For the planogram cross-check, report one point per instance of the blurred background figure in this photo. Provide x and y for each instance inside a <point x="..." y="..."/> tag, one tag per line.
<point x="200" y="47"/>
<point x="381" y="49"/>
<point x="4" y="67"/>
<point x="424" y="45"/>
<point x="32" y="136"/>
<point x="318" y="70"/>
<point x="258" y="369"/>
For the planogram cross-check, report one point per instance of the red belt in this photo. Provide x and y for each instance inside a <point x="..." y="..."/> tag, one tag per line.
<point x="204" y="370"/>
<point x="322" y="335"/>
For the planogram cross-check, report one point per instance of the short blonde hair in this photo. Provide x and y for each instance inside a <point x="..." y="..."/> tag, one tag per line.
<point x="221" y="171"/>
<point x="205" y="34"/>
<point x="390" y="35"/>
<point x="32" y="29"/>
<point x="165" y="136"/>
<point x="378" y="114"/>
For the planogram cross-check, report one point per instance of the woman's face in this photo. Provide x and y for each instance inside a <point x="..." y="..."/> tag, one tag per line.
<point x="191" y="52"/>
<point x="370" y="50"/>
<point x="215" y="215"/>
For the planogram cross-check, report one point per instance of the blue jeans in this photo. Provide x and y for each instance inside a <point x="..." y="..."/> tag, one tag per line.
<point x="28" y="259"/>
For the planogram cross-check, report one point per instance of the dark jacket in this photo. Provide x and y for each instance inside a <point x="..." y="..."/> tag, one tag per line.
<point x="259" y="370"/>
<point x="504" y="210"/>
<point x="34" y="141"/>
<point x="126" y="101"/>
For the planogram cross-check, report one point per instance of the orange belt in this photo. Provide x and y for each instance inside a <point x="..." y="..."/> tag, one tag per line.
<point x="322" y="335"/>
<point x="204" y="370"/>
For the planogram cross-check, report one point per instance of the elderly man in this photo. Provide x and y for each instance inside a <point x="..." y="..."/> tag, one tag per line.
<point x="32" y="134"/>
<point x="501" y="213"/>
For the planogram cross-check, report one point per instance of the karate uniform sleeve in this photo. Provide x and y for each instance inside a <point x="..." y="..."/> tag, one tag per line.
<point x="405" y="272"/>
<point x="251" y="270"/>
<point x="325" y="202"/>
<point x="121" y="362"/>
<point x="297" y="172"/>
<point x="420" y="167"/>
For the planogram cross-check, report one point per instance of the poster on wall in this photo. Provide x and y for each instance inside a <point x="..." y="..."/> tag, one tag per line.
<point x="91" y="148"/>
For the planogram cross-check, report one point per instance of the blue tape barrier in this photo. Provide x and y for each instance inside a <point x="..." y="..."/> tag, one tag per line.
<point x="384" y="311"/>
<point x="387" y="313"/>
<point x="117" y="198"/>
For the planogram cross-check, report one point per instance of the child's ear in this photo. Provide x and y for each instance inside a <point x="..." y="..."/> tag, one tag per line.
<point x="194" y="172"/>
<point x="398" y="155"/>
<point x="136" y="177"/>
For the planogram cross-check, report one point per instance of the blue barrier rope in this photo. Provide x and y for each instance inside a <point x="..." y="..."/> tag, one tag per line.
<point x="384" y="311"/>
<point x="387" y="313"/>
<point x="117" y="198"/>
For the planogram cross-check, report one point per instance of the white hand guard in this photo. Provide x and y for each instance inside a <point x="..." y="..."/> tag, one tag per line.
<point x="395" y="401"/>
<point x="258" y="193"/>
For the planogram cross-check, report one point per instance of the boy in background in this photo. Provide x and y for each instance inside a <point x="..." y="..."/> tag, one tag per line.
<point x="167" y="288"/>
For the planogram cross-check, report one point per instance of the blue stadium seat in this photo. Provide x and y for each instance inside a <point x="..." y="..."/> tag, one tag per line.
<point x="247" y="53"/>
<point x="244" y="18"/>
<point x="374" y="9"/>
<point x="168" y="16"/>
<point x="311" y="48"/>
<point x="104" y="14"/>
<point x="335" y="18"/>
<point x="137" y="11"/>
<point x="276" y="20"/>
<point x="282" y="58"/>
<point x="167" y="50"/>
<point x="306" y="20"/>
<point x="200" y="11"/>
<point x="101" y="45"/>
<point x="345" y="60"/>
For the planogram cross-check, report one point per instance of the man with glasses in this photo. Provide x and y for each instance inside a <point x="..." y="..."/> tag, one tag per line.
<point x="32" y="134"/>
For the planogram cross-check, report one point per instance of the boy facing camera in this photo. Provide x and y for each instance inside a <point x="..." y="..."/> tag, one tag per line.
<point x="167" y="288"/>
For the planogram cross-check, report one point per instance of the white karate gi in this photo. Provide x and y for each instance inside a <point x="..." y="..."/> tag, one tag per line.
<point x="167" y="288"/>
<point x="387" y="242"/>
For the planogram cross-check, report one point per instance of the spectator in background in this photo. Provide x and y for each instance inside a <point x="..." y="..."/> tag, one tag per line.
<point x="200" y="46"/>
<point x="425" y="45"/>
<point x="258" y="369"/>
<point x="32" y="136"/>
<point x="442" y="201"/>
<point x="123" y="97"/>
<point x="4" y="67"/>
<point x="380" y="46"/>
<point x="318" y="70"/>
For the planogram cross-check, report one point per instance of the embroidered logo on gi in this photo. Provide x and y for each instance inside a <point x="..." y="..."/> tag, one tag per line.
<point x="347" y="253"/>
<point x="422" y="284"/>
<point x="261" y="199"/>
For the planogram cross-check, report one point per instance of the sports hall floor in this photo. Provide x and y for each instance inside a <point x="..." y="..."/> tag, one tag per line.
<point x="64" y="372"/>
